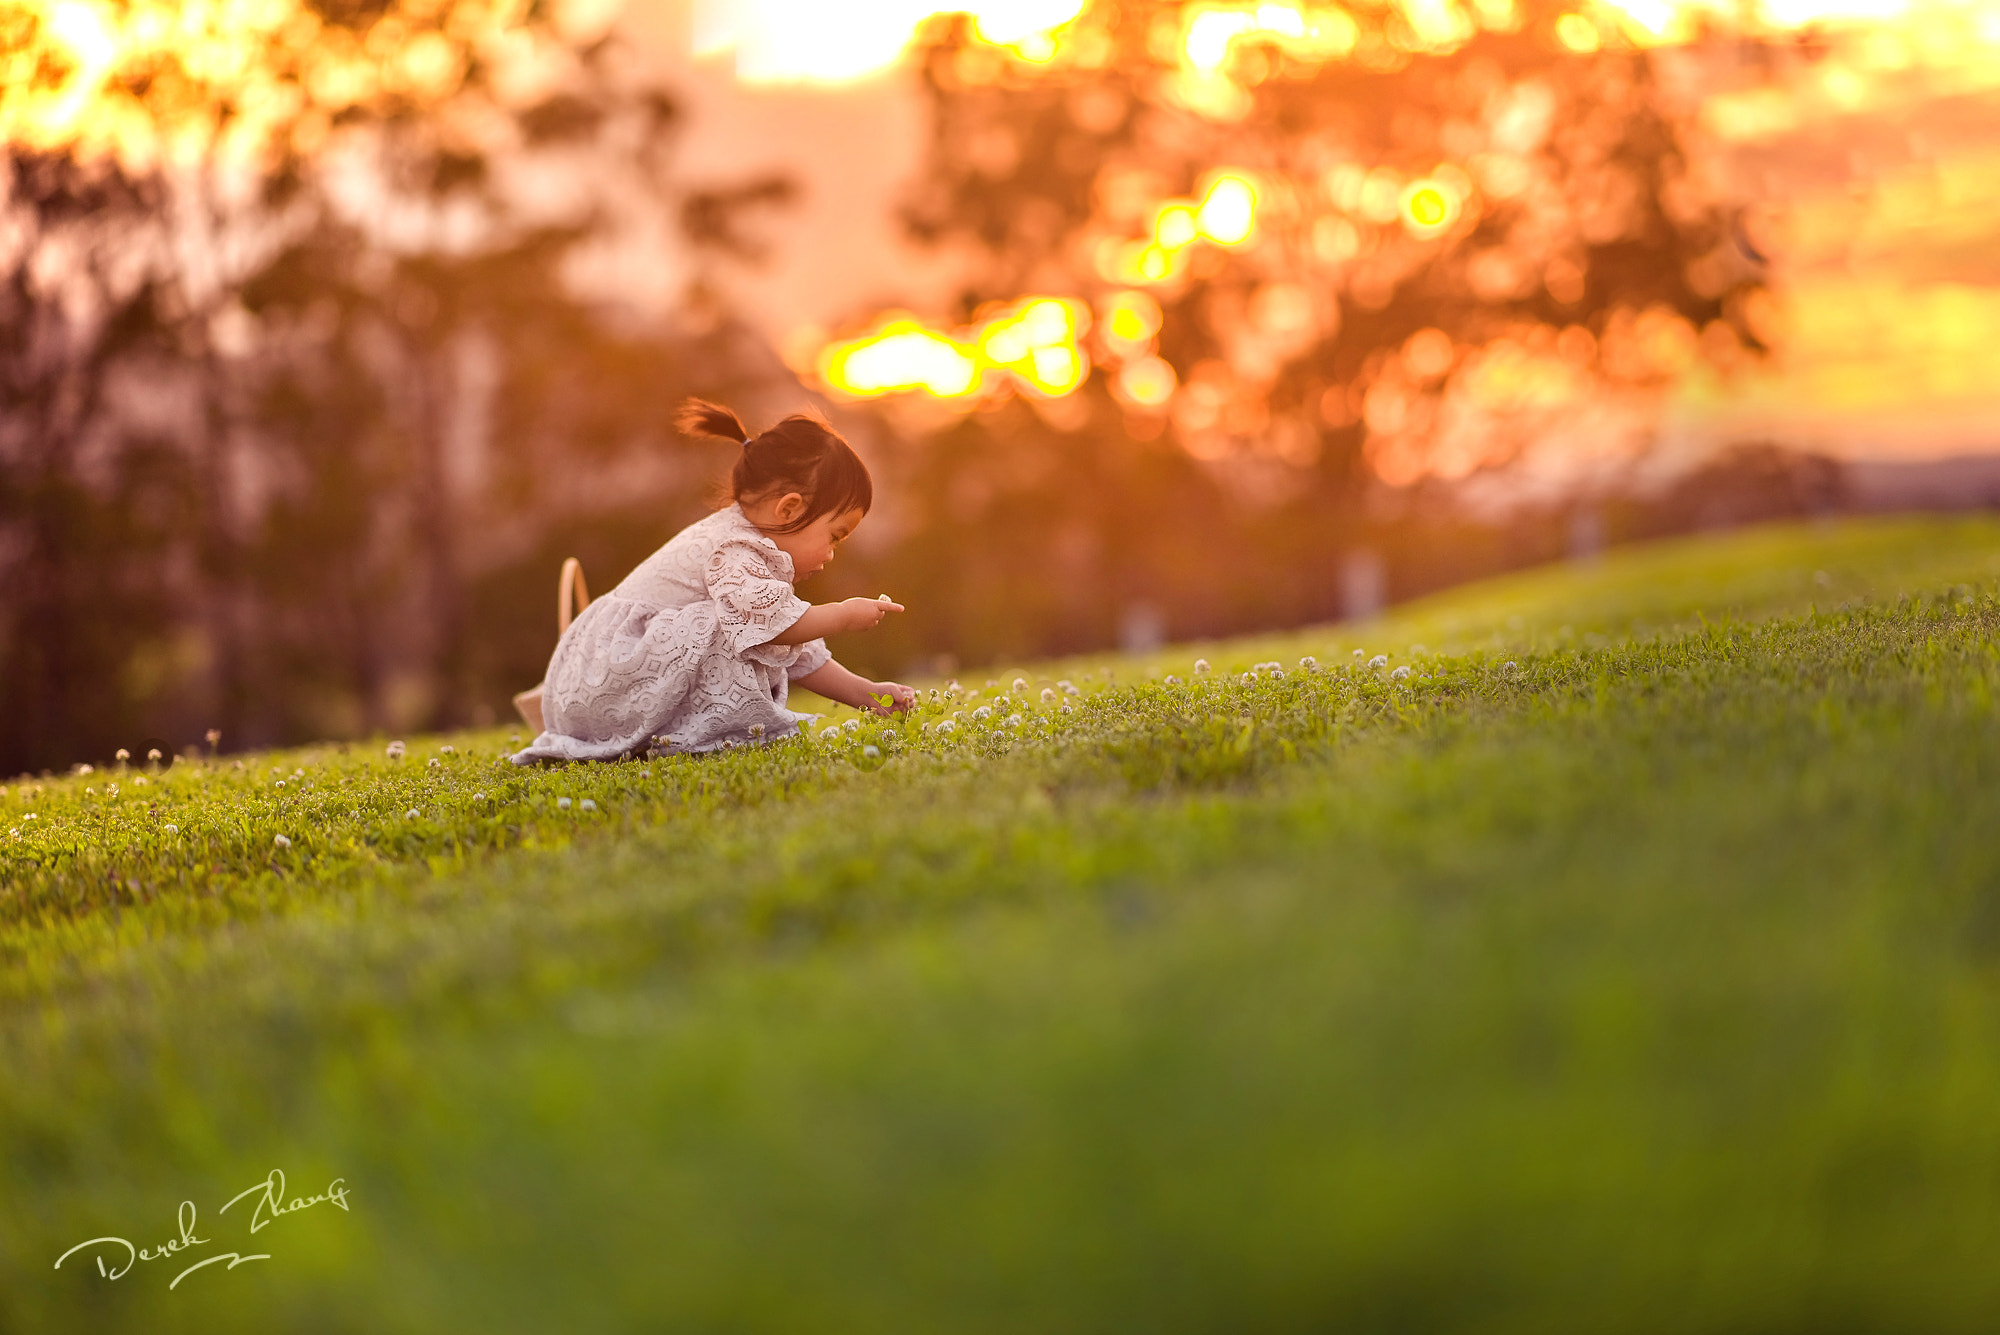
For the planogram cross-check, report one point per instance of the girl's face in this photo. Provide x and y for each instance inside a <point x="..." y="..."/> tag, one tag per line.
<point x="812" y="546"/>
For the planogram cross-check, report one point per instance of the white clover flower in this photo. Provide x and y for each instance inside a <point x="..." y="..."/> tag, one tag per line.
<point x="984" y="711"/>
<point x="871" y="752"/>
<point x="1068" y="687"/>
<point x="588" y="804"/>
<point x="514" y="737"/>
<point x="1379" y="661"/>
<point x="1201" y="665"/>
<point x="1020" y="684"/>
<point x="413" y="813"/>
<point x="433" y="763"/>
<point x="1400" y="673"/>
<point x="279" y="784"/>
<point x="31" y="816"/>
<point x="395" y="750"/>
<point x="1048" y="696"/>
<point x="851" y="724"/>
<point x="85" y="769"/>
<point x="171" y="829"/>
<point x="1360" y="653"/>
<point x="153" y="754"/>
<point x="1309" y="663"/>
<point x="1172" y="680"/>
<point x="1510" y="666"/>
<point x="123" y="755"/>
<point x="446" y="751"/>
<point x="479" y="797"/>
<point x="645" y="774"/>
<point x="562" y="804"/>
<point x="1065" y="708"/>
<point x="756" y="730"/>
<point x="281" y="842"/>
<point x="947" y="726"/>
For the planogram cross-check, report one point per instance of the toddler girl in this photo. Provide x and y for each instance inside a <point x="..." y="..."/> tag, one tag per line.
<point x="700" y="644"/>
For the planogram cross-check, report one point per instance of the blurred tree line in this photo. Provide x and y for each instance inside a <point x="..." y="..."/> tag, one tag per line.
<point x="292" y="441"/>
<point x="293" y="438"/>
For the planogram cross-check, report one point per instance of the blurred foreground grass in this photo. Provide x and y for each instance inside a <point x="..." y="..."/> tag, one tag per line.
<point x="1646" y="983"/>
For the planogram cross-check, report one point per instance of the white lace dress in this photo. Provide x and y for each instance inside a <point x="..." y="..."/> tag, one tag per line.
<point x="680" y="652"/>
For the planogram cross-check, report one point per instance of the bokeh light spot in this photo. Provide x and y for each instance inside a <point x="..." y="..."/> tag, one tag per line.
<point x="1428" y="207"/>
<point x="1228" y="212"/>
<point x="1130" y="319"/>
<point x="1578" y="34"/>
<point x="1147" y="383"/>
<point x="1176" y="227"/>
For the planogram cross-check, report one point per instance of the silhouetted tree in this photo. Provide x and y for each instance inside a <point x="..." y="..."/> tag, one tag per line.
<point x="1466" y="237"/>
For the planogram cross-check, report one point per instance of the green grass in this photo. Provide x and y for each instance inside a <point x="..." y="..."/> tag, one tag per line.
<point x="1649" y="983"/>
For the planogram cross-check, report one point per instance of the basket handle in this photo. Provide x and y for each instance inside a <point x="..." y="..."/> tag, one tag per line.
<point x="570" y="589"/>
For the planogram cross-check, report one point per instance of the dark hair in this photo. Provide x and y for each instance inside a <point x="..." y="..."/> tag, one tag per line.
<point x="801" y="453"/>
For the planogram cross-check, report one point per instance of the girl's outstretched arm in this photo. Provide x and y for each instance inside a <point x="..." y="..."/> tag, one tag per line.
<point x="838" y="684"/>
<point x="824" y="619"/>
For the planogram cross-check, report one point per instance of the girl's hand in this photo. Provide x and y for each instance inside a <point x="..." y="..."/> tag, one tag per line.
<point x="890" y="697"/>
<point x="867" y="613"/>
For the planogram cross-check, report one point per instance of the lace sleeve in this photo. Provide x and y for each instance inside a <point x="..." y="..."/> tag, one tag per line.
<point x="754" y="602"/>
<point x="813" y="655"/>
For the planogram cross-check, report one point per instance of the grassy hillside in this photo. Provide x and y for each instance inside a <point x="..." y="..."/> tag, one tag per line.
<point x="1629" y="963"/>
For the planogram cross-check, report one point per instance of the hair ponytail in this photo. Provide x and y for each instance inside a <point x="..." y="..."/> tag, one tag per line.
<point x="699" y="417"/>
<point x="802" y="454"/>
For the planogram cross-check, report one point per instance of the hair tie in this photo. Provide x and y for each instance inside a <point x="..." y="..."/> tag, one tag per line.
<point x="746" y="442"/>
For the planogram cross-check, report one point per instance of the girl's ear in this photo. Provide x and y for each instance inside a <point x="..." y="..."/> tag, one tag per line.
<point x="790" y="506"/>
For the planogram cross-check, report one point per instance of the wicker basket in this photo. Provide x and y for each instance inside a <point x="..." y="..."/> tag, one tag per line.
<point x="571" y="597"/>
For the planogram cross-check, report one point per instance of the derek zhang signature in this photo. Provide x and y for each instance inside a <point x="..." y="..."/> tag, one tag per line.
<point x="268" y="1204"/>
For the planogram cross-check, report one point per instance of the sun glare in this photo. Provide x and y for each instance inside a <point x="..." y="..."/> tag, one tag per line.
<point x="816" y="42"/>
<point x="901" y="355"/>
<point x="1028" y="344"/>
<point x="1315" y="33"/>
